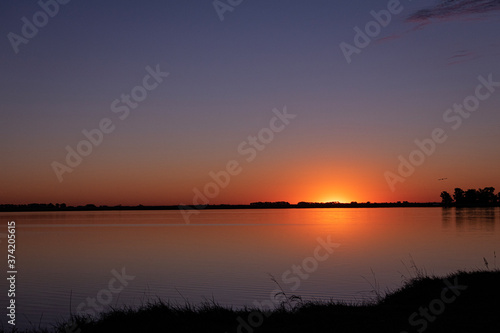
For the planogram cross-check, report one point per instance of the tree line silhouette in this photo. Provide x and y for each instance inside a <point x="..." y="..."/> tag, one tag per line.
<point x="41" y="207"/>
<point x="483" y="197"/>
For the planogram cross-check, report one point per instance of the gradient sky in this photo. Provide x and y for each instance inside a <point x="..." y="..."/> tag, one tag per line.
<point x="353" y="120"/>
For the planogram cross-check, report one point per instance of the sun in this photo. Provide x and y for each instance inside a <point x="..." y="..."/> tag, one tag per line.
<point x="334" y="199"/>
<point x="325" y="193"/>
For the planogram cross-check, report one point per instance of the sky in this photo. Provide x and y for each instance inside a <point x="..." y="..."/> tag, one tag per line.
<point x="237" y="101"/>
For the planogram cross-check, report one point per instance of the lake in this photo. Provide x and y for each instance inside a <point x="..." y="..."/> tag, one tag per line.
<point x="84" y="262"/>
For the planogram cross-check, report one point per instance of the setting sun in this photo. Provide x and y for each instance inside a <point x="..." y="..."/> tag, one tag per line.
<point x="335" y="199"/>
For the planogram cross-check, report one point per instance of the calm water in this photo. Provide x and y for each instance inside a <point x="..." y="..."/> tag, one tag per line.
<point x="228" y="255"/>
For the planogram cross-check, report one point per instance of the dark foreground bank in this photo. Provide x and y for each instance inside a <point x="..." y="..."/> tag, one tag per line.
<point x="460" y="302"/>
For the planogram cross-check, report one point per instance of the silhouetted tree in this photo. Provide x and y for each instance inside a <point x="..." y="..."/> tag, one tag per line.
<point x="459" y="196"/>
<point x="446" y="199"/>
<point x="486" y="196"/>
<point x="471" y="197"/>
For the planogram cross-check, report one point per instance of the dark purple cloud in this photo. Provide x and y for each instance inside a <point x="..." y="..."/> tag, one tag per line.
<point x="463" y="56"/>
<point x="447" y="9"/>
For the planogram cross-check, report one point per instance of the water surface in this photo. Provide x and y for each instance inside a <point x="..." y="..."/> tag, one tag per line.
<point x="65" y="258"/>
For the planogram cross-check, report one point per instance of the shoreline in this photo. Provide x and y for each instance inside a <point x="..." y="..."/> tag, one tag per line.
<point x="302" y="205"/>
<point x="462" y="301"/>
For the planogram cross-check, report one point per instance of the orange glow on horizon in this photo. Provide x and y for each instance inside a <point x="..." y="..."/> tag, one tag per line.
<point x="335" y="199"/>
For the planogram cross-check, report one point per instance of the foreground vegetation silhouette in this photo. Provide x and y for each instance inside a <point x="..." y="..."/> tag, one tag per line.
<point x="459" y="302"/>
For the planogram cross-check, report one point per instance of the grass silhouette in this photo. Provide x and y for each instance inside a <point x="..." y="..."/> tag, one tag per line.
<point x="474" y="309"/>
